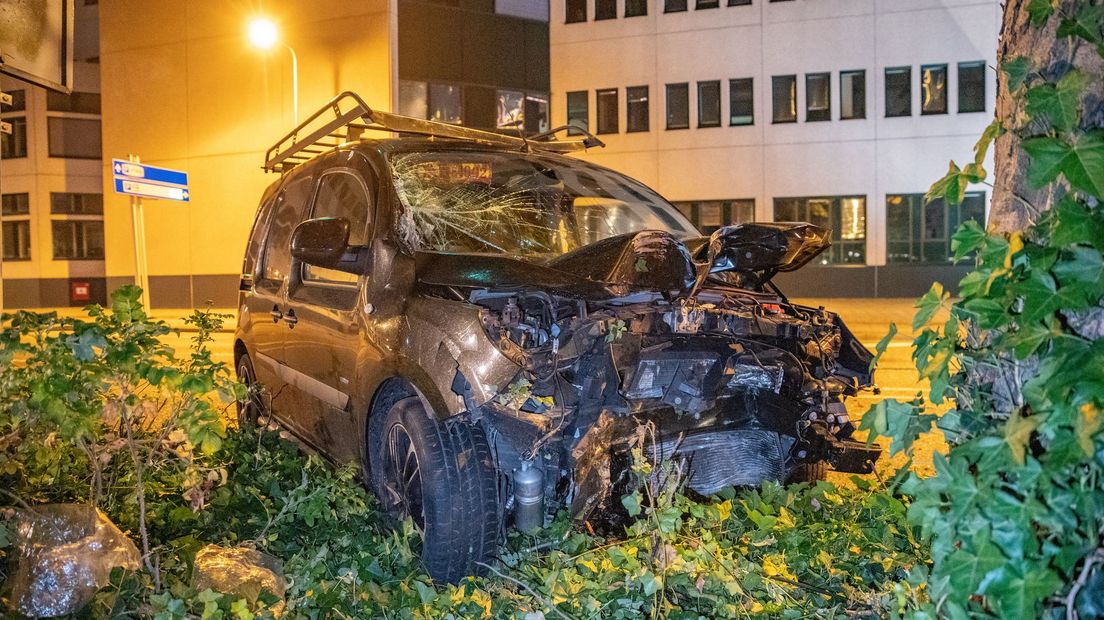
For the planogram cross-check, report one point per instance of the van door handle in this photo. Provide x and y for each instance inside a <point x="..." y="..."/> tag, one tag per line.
<point x="290" y="319"/>
<point x="276" y="314"/>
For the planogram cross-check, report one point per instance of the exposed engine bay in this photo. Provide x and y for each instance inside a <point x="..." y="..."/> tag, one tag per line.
<point x="739" y="385"/>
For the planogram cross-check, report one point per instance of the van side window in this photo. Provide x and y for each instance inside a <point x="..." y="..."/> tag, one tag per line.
<point x="289" y="212"/>
<point x="341" y="194"/>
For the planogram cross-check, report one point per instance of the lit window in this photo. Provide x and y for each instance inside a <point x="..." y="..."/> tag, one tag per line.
<point x="636" y="8"/>
<point x="709" y="104"/>
<point x="818" y="97"/>
<point x="678" y="106"/>
<point x="898" y="91"/>
<point x="413" y="98"/>
<point x="933" y="89"/>
<point x="576" y="11"/>
<point x="843" y="216"/>
<point x="852" y="94"/>
<point x="511" y="108"/>
<point x="74" y="138"/>
<point x="709" y="215"/>
<point x="784" y="91"/>
<point x="918" y="231"/>
<point x="636" y="98"/>
<point x="445" y="103"/>
<point x="578" y="112"/>
<point x="536" y="113"/>
<point x="607" y="110"/>
<point x="971" y="86"/>
<point x="741" y="102"/>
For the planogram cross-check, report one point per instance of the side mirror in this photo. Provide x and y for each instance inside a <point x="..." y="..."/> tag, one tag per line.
<point x="321" y="242"/>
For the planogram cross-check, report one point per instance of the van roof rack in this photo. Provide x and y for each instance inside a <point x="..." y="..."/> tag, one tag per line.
<point x="351" y="117"/>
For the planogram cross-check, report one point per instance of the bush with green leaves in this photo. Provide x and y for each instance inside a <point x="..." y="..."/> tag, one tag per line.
<point x="1015" y="512"/>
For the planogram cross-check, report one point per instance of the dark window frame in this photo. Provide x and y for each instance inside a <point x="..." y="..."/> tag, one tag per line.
<point x="667" y="105"/>
<point x="739" y="2"/>
<point x="17" y="140"/>
<point x="572" y="15"/>
<point x="981" y="86"/>
<point x="821" y="115"/>
<point x="792" y="78"/>
<point x="50" y="120"/>
<point x="616" y="128"/>
<point x="728" y="209"/>
<point x="586" y="111"/>
<point x="611" y="10"/>
<point x="21" y="200"/>
<point x="629" y="93"/>
<point x="834" y="254"/>
<point x="73" y="203"/>
<point x="73" y="225"/>
<point x="25" y="250"/>
<point x="946" y="89"/>
<point x="898" y="70"/>
<point x="641" y="6"/>
<point x="76" y="102"/>
<point x="850" y="72"/>
<point x="676" y="6"/>
<point x="732" y="99"/>
<point x="701" y="104"/>
<point x="18" y="104"/>
<point x="918" y="246"/>
<point x="700" y="5"/>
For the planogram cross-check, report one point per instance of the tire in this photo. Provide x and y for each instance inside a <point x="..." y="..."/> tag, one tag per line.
<point x="251" y="410"/>
<point x="808" y="472"/>
<point x="442" y="476"/>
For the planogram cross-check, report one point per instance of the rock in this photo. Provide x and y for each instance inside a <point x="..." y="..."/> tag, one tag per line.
<point x="238" y="571"/>
<point x="1087" y="323"/>
<point x="65" y="554"/>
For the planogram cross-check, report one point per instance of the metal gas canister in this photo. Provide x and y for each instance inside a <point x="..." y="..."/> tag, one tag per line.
<point x="528" y="497"/>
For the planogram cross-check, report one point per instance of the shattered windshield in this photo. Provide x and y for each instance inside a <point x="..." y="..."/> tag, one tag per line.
<point x="520" y="203"/>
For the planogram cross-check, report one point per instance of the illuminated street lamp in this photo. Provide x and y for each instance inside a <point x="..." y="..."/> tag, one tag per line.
<point x="264" y="35"/>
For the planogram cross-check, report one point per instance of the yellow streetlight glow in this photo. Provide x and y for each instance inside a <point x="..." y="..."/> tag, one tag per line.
<point x="262" y="33"/>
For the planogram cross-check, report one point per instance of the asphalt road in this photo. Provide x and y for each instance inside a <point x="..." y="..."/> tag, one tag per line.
<point x="868" y="319"/>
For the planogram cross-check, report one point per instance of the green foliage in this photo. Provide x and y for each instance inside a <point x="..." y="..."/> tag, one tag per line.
<point x="1016" y="508"/>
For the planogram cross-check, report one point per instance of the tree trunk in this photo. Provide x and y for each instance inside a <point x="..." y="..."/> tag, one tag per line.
<point x="1051" y="56"/>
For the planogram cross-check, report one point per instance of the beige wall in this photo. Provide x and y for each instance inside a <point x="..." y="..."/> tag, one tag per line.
<point x="183" y="89"/>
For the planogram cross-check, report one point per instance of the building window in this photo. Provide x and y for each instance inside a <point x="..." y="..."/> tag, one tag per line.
<point x="578" y="112"/>
<point x="76" y="204"/>
<point x="920" y="232"/>
<point x="78" y="239"/>
<point x="852" y="94"/>
<point x="576" y="11"/>
<point x="15" y="204"/>
<point x="18" y="104"/>
<point x="933" y="87"/>
<point x="739" y="2"/>
<point x="74" y="138"/>
<point x="636" y="98"/>
<point x="605" y="9"/>
<point x="636" y="8"/>
<point x="446" y="103"/>
<point x="843" y="216"/>
<point x="898" y="91"/>
<point x="741" y="102"/>
<point x="709" y="104"/>
<point x="413" y="99"/>
<point x="706" y="4"/>
<point x="14" y="145"/>
<point x="606" y="102"/>
<point x="678" y="106"/>
<point x="510" y="106"/>
<point x="536" y="113"/>
<point x="674" y="6"/>
<point x="17" y="240"/>
<point x="971" y="86"/>
<point x="784" y="91"/>
<point x="818" y="97"/>
<point x="709" y="215"/>
<point x="83" y="103"/>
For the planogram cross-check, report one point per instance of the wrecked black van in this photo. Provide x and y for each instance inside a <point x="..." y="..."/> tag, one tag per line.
<point x="485" y="325"/>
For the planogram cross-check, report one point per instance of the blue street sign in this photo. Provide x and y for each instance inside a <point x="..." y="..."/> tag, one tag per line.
<point x="149" y="181"/>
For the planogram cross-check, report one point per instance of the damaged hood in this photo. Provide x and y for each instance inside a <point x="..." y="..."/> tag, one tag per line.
<point x="647" y="260"/>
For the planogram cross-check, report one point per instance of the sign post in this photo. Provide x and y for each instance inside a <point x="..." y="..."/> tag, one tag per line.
<point x="138" y="181"/>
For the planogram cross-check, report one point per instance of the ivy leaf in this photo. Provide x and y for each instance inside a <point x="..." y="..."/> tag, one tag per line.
<point x="968" y="567"/>
<point x="1026" y="340"/>
<point x="631" y="502"/>
<point x="951" y="188"/>
<point x="1082" y="164"/>
<point x="1042" y="297"/>
<point x="992" y="131"/>
<point x="1040" y="11"/>
<point x="1016" y="596"/>
<point x="1085" y="265"/>
<point x="1058" y="103"/>
<point x="928" y="305"/>
<point x="967" y="239"/>
<point x="1072" y="223"/>
<point x="1017" y="70"/>
<point x="883" y="344"/>
<point x="1088" y="24"/>
<point x="990" y="313"/>
<point x="1017" y="433"/>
